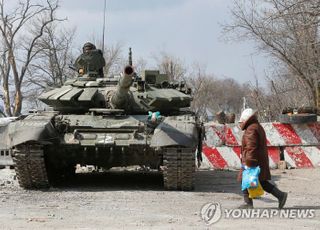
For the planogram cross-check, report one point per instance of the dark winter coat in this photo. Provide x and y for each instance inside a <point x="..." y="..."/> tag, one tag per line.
<point x="254" y="148"/>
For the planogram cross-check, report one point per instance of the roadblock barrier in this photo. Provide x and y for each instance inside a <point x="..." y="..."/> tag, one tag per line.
<point x="297" y="144"/>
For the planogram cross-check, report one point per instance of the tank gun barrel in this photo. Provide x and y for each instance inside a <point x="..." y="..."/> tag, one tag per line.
<point x="120" y="96"/>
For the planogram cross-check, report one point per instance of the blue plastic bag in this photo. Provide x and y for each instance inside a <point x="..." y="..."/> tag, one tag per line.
<point x="250" y="177"/>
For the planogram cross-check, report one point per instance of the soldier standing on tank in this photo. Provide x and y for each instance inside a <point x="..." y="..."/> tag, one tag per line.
<point x="86" y="49"/>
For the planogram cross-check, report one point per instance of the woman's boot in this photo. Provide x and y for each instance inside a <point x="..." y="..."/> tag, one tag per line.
<point x="281" y="196"/>
<point x="248" y="203"/>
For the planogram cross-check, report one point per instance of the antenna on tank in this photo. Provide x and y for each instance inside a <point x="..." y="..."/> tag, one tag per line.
<point x="130" y="57"/>
<point x="104" y="24"/>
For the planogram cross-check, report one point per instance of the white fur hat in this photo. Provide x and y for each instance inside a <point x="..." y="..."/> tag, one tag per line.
<point x="246" y="114"/>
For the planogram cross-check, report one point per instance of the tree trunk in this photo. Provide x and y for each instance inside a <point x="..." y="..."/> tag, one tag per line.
<point x="315" y="96"/>
<point x="7" y="103"/>
<point x="18" y="94"/>
<point x="18" y="103"/>
<point x="6" y="94"/>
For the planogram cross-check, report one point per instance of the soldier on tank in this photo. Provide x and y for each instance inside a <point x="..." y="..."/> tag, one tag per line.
<point x="87" y="47"/>
<point x="91" y="61"/>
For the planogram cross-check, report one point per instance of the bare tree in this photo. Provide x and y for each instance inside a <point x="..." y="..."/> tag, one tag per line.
<point x="21" y="29"/>
<point x="285" y="29"/>
<point x="115" y="62"/>
<point x="139" y="65"/>
<point x="211" y="94"/>
<point x="172" y="66"/>
<point x="201" y="84"/>
<point x="50" y="68"/>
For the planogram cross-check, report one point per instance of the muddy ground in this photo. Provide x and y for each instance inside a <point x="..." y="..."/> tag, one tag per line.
<point x="134" y="200"/>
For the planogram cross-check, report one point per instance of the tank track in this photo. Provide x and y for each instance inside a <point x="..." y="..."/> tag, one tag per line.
<point x="179" y="168"/>
<point x="30" y="166"/>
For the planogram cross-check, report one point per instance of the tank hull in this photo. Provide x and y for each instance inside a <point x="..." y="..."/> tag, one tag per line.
<point x="47" y="146"/>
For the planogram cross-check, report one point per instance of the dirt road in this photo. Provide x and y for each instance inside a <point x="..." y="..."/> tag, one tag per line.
<point x="136" y="200"/>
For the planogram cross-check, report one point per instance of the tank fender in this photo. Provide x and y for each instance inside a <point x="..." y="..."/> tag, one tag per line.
<point x="172" y="132"/>
<point x="32" y="128"/>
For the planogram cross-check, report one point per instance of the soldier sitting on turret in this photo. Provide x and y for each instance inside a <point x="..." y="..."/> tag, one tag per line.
<point x="91" y="61"/>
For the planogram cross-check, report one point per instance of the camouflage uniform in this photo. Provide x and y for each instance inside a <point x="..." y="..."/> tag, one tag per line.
<point x="91" y="60"/>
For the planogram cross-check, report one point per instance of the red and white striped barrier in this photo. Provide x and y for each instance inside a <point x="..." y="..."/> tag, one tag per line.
<point x="277" y="134"/>
<point x="227" y="157"/>
<point x="298" y="145"/>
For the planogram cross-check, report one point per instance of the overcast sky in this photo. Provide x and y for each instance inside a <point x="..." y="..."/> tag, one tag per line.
<point x="188" y="29"/>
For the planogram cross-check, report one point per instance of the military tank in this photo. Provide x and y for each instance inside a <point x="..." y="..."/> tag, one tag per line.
<point x="109" y="122"/>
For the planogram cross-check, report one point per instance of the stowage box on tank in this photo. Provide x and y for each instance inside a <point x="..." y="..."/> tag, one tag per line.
<point x="108" y="122"/>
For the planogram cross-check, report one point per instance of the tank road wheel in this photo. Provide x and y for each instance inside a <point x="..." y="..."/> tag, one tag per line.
<point x="179" y="168"/>
<point x="30" y="166"/>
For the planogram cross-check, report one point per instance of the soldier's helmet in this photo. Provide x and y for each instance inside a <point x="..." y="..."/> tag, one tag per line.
<point x="88" y="46"/>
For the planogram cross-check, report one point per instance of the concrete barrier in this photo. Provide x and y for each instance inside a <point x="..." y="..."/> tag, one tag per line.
<point x="297" y="144"/>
